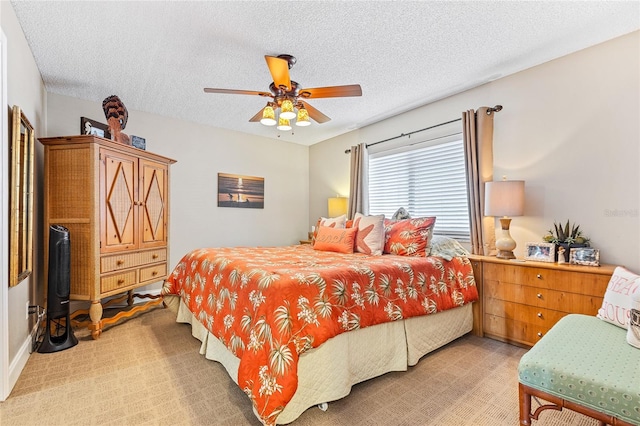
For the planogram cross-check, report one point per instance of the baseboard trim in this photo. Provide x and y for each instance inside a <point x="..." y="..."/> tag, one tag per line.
<point x="19" y="362"/>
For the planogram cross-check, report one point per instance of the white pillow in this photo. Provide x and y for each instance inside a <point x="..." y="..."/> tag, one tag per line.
<point x="370" y="235"/>
<point x="616" y="305"/>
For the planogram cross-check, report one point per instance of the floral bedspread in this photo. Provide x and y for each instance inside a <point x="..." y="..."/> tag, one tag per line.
<point x="270" y="305"/>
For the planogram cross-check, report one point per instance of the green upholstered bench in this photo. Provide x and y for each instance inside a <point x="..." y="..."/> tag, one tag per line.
<point x="586" y="365"/>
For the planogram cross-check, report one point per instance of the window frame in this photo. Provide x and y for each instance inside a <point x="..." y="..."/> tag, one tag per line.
<point x="407" y="146"/>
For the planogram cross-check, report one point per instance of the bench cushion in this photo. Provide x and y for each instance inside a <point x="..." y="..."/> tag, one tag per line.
<point x="586" y="361"/>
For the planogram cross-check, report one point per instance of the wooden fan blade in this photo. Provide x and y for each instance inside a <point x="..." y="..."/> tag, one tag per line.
<point x="237" y="92"/>
<point x="279" y="69"/>
<point x="315" y="114"/>
<point x="332" y="91"/>
<point x="256" y="117"/>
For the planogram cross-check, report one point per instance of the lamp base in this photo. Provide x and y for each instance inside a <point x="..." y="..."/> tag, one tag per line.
<point x="505" y="244"/>
<point x="505" y="254"/>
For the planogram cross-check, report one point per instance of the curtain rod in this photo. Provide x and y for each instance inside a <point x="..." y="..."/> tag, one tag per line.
<point x="401" y="135"/>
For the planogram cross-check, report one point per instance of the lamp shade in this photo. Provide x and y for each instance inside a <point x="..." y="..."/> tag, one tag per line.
<point x="337" y="206"/>
<point x="268" y="116"/>
<point x="286" y="110"/>
<point x="504" y="198"/>
<point x="283" y="124"/>
<point x="303" y="118"/>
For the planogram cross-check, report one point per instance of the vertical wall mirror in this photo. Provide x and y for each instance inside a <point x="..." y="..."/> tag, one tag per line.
<point x="21" y="198"/>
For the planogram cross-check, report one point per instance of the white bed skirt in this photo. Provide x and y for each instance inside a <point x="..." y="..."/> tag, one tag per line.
<point x="327" y="373"/>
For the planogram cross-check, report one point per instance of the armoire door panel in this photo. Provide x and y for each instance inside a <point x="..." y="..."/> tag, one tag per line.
<point x="154" y="204"/>
<point x="118" y="181"/>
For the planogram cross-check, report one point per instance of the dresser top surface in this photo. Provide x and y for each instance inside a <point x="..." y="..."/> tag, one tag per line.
<point x="603" y="269"/>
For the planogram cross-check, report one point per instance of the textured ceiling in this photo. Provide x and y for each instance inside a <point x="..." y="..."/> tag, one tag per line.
<point x="158" y="56"/>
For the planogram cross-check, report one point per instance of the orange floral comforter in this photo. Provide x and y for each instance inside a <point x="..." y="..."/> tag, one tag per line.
<point x="269" y="305"/>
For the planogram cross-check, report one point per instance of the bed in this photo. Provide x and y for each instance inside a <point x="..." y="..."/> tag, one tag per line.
<point x="295" y="327"/>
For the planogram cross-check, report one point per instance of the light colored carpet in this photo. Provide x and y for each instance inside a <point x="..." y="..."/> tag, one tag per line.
<point x="147" y="371"/>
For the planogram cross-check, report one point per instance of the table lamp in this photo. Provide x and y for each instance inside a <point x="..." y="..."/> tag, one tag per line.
<point x="337" y="206"/>
<point x="504" y="198"/>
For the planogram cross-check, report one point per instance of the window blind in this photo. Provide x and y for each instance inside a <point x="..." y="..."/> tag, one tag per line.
<point x="426" y="181"/>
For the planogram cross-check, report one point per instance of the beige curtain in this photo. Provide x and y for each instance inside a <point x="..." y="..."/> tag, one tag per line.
<point x="478" y="150"/>
<point x="358" y="195"/>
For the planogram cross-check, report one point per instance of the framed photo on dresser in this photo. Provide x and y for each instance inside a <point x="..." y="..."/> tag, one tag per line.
<point x="540" y="252"/>
<point x="584" y="256"/>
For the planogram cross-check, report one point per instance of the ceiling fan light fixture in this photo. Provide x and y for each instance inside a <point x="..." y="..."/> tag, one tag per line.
<point x="303" y="118"/>
<point x="286" y="110"/>
<point x="283" y="124"/>
<point x="268" y="116"/>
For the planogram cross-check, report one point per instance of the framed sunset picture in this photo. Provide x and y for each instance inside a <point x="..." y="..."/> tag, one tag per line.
<point x="240" y="191"/>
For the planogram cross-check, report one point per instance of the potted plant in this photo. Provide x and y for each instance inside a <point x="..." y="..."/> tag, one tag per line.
<point x="569" y="236"/>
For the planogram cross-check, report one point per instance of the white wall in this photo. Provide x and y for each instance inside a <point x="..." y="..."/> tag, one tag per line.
<point x="201" y="153"/>
<point x="569" y="128"/>
<point x="25" y="89"/>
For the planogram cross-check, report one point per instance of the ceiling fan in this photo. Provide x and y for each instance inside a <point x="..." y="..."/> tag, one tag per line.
<point x="287" y="96"/>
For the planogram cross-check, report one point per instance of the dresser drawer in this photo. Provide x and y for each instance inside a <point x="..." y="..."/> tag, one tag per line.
<point x="117" y="281"/>
<point x="131" y="260"/>
<point x="537" y="316"/>
<point x="512" y="330"/>
<point x="572" y="281"/>
<point x="514" y="292"/>
<point x="153" y="273"/>
<point x="542" y="297"/>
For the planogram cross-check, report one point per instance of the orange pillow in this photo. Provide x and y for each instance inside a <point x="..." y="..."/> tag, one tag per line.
<point x="409" y="237"/>
<point x="334" y="222"/>
<point x="331" y="239"/>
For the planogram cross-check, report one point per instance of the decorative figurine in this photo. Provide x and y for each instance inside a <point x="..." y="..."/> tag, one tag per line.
<point x="117" y="116"/>
<point x="561" y="255"/>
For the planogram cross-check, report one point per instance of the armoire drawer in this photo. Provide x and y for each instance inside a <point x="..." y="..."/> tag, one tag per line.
<point x="126" y="260"/>
<point x="153" y="273"/>
<point x="114" y="282"/>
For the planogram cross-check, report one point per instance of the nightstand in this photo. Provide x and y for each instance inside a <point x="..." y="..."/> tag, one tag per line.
<point x="522" y="300"/>
<point x="309" y="239"/>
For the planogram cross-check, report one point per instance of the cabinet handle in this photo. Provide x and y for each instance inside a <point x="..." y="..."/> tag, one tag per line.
<point x="539" y="276"/>
<point x="154" y="273"/>
<point x="155" y="256"/>
<point x="539" y="295"/>
<point x="119" y="262"/>
<point x="539" y="314"/>
<point x="539" y="334"/>
<point x="120" y="281"/>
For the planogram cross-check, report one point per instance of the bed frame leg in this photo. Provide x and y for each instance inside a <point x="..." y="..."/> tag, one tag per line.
<point x="525" y="406"/>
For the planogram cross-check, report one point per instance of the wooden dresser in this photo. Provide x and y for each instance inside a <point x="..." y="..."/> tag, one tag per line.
<point x="521" y="301"/>
<point x="114" y="199"/>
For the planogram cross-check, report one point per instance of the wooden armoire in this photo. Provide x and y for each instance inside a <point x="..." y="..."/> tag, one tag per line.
<point x="114" y="199"/>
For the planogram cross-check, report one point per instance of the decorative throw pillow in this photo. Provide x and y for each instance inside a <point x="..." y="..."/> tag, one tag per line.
<point x="616" y="305"/>
<point x="409" y="237"/>
<point x="333" y="222"/>
<point x="446" y="248"/>
<point x="370" y="235"/>
<point x="633" y="333"/>
<point x="340" y="240"/>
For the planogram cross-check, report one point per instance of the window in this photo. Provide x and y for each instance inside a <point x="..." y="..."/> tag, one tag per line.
<point x="425" y="180"/>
